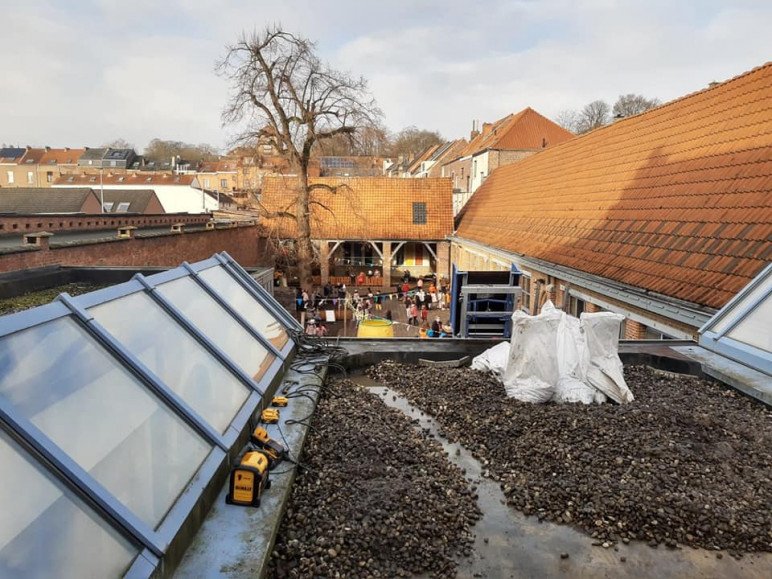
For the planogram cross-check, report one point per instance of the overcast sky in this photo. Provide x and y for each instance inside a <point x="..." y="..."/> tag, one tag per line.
<point x="84" y="72"/>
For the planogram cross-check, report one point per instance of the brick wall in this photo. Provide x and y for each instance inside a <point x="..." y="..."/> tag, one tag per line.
<point x="634" y="330"/>
<point x="70" y="222"/>
<point x="165" y="251"/>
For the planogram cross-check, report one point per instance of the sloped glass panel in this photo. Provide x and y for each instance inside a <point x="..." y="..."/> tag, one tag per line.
<point x="762" y="288"/>
<point x="246" y="305"/>
<point x="218" y="325"/>
<point x="100" y="414"/>
<point x="756" y="328"/>
<point x="170" y="352"/>
<point x="44" y="527"/>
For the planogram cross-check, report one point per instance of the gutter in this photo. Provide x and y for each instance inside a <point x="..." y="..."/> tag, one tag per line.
<point x="688" y="313"/>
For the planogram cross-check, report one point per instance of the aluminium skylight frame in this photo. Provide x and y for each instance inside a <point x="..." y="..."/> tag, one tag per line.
<point x="65" y="469"/>
<point x="741" y="306"/>
<point x="152" y="543"/>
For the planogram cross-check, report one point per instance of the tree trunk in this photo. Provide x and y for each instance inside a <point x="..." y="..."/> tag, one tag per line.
<point x="305" y="251"/>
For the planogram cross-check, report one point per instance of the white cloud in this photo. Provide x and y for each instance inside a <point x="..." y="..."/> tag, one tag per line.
<point x="88" y="72"/>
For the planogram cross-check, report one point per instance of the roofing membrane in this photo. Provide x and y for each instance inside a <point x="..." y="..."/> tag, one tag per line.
<point x="118" y="407"/>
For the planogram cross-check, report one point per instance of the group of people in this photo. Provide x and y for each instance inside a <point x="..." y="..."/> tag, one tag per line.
<point x="418" y="302"/>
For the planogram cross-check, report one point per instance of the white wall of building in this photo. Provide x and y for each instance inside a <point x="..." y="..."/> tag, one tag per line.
<point x="173" y="198"/>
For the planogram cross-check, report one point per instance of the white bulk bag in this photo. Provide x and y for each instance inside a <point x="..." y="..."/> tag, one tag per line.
<point x="573" y="361"/>
<point x="532" y="368"/>
<point x="604" y="372"/>
<point x="493" y="360"/>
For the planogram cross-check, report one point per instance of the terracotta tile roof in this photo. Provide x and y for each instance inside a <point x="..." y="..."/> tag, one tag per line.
<point x="363" y="208"/>
<point x="221" y="166"/>
<point x="61" y="156"/>
<point x="426" y="154"/>
<point x="526" y="130"/>
<point x="31" y="156"/>
<point x="144" y="179"/>
<point x="677" y="200"/>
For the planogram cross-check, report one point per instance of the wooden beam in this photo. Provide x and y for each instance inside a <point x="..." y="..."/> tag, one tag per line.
<point x="429" y="247"/>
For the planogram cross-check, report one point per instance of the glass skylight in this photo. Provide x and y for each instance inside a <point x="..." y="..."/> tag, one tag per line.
<point x="216" y="323"/>
<point x="57" y="376"/>
<point x="249" y="308"/>
<point x="174" y="356"/>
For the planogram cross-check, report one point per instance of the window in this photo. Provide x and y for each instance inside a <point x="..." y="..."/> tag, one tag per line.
<point x="419" y="213"/>
<point x="49" y="176"/>
<point x="206" y="183"/>
<point x="575" y="306"/>
<point x="10" y="177"/>
<point x="107" y="206"/>
<point x="31" y="177"/>
<point x="525" y="297"/>
<point x="112" y="163"/>
<point x="123" y="207"/>
<point x="223" y="183"/>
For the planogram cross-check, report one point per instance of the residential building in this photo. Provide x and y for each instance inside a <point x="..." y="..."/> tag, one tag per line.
<point x="432" y="166"/>
<point x="373" y="224"/>
<point x="177" y="193"/>
<point x="662" y="217"/>
<point x="143" y="201"/>
<point x="107" y="158"/>
<point x="219" y="176"/>
<point x="506" y="141"/>
<point x="55" y="162"/>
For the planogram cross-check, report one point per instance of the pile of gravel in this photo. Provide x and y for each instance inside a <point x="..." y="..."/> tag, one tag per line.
<point x="689" y="462"/>
<point x="377" y="499"/>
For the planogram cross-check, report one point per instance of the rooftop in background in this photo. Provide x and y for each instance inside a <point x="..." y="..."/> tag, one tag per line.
<point x="38" y="200"/>
<point x="526" y="130"/>
<point x="131" y="201"/>
<point x="676" y="200"/>
<point x="64" y="156"/>
<point x="221" y="166"/>
<point x="130" y="179"/>
<point x="376" y="208"/>
<point x="10" y="154"/>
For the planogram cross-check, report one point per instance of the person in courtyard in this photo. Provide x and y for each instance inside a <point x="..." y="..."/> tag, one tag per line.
<point x="408" y="305"/>
<point x="311" y="327"/>
<point x="437" y="326"/>
<point x="361" y="279"/>
<point x="414" y="314"/>
<point x="321" y="330"/>
<point x="405" y="288"/>
<point x="424" y="314"/>
<point x="388" y="315"/>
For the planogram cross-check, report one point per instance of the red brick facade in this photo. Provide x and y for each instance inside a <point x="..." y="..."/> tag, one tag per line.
<point x="167" y="250"/>
<point x="22" y="224"/>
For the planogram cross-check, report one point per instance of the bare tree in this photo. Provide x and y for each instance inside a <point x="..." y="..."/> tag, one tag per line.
<point x="628" y="105"/>
<point x="568" y="119"/>
<point x="119" y="144"/>
<point x="163" y="150"/>
<point x="594" y="115"/>
<point x="411" y="141"/>
<point x="285" y="95"/>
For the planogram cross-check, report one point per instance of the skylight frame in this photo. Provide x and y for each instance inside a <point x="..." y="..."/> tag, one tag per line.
<point x="153" y="544"/>
<point x="109" y="507"/>
<point x="730" y="316"/>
